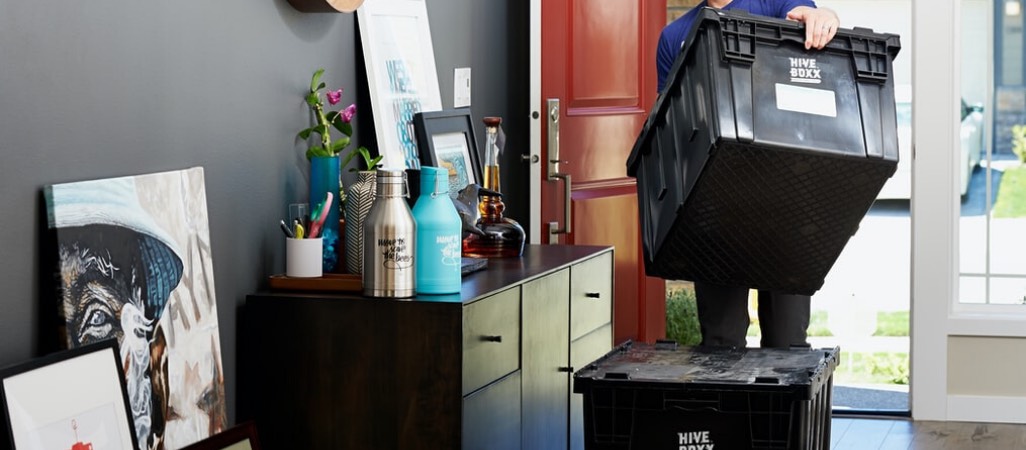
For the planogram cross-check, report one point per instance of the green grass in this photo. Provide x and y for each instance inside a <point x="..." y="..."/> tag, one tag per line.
<point x="1011" y="196"/>
<point x="872" y="368"/>
<point x="892" y="323"/>
<point x="682" y="317"/>
<point x="818" y="324"/>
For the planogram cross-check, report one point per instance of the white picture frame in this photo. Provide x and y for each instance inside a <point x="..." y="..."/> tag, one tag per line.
<point x="74" y="399"/>
<point x="401" y="75"/>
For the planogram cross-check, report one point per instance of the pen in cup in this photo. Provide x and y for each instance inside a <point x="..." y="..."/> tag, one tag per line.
<point x="285" y="229"/>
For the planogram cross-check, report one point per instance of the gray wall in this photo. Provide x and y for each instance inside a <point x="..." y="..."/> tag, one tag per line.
<point x="104" y="88"/>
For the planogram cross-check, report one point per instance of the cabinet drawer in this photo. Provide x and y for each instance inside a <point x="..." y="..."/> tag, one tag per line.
<point x="591" y="295"/>
<point x="491" y="339"/>
<point x="491" y="416"/>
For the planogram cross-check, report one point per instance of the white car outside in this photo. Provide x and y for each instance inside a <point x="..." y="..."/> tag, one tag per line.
<point x="899" y="186"/>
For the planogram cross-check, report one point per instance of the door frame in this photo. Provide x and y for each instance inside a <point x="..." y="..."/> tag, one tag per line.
<point x="534" y="47"/>
<point x="650" y="320"/>
<point x="936" y="315"/>
<point x="932" y="206"/>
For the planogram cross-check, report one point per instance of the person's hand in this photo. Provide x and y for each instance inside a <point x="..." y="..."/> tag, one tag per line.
<point x="820" y="25"/>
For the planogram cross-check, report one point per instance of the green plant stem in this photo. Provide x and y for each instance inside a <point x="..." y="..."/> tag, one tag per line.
<point x="323" y="121"/>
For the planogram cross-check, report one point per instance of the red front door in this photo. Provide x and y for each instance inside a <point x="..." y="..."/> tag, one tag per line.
<point x="598" y="62"/>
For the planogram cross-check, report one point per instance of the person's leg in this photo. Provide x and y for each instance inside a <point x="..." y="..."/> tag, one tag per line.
<point x="722" y="314"/>
<point x="783" y="319"/>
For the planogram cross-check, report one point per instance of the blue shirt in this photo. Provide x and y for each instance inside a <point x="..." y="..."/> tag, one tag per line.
<point x="674" y="34"/>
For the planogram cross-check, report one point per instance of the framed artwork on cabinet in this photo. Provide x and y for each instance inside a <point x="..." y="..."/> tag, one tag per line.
<point x="446" y="140"/>
<point x="401" y="76"/>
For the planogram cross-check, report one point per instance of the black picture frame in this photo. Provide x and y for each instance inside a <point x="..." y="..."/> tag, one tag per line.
<point x="243" y="433"/>
<point x="95" y="370"/>
<point x="439" y="145"/>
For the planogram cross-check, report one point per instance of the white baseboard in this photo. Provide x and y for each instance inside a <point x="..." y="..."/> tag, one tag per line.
<point x="978" y="408"/>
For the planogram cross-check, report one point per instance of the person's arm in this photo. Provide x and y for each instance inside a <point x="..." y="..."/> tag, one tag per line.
<point x="664" y="60"/>
<point x="820" y="24"/>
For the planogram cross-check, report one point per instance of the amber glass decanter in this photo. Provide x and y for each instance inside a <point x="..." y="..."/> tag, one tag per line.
<point x="500" y="236"/>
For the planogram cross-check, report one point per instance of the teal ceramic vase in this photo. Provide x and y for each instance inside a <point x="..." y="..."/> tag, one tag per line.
<point x="325" y="176"/>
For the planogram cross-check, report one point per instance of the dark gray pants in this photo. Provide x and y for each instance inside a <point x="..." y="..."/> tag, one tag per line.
<point x="723" y="316"/>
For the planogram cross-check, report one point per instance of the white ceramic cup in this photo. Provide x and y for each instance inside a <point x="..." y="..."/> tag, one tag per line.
<point x="303" y="258"/>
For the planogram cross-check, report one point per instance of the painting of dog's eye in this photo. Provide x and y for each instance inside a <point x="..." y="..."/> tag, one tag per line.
<point x="98" y="322"/>
<point x="98" y="318"/>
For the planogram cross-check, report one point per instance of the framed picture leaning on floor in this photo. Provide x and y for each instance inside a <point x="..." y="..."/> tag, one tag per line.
<point x="75" y="399"/>
<point x="133" y="262"/>
<point x="240" y="437"/>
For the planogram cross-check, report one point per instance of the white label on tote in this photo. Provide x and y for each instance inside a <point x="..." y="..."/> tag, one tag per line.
<point x="806" y="100"/>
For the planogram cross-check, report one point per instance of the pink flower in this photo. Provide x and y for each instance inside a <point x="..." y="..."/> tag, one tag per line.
<point x="348" y="113"/>
<point x="334" y="96"/>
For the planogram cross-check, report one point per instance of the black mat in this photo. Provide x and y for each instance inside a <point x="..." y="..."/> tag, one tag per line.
<point x="867" y="399"/>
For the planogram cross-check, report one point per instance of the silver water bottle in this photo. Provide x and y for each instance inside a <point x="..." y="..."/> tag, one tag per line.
<point x="389" y="240"/>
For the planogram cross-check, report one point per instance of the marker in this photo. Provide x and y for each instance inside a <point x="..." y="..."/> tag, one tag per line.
<point x="285" y="229"/>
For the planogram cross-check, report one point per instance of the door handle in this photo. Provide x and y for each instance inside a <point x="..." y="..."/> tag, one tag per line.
<point x="553" y="138"/>
<point x="567" y="187"/>
<point x="553" y="171"/>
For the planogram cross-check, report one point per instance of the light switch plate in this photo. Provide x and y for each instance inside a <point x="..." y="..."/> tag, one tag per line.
<point x="461" y="88"/>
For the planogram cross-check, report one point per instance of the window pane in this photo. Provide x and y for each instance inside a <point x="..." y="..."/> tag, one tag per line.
<point x="1008" y="241"/>
<point x="1008" y="291"/>
<point x="972" y="250"/>
<point x="972" y="290"/>
<point x="990" y="169"/>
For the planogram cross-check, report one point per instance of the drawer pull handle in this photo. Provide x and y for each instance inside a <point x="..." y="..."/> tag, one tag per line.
<point x="491" y="338"/>
<point x="566" y="369"/>
<point x="593" y="295"/>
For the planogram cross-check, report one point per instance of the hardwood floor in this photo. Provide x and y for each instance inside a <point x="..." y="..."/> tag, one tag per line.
<point x="903" y="434"/>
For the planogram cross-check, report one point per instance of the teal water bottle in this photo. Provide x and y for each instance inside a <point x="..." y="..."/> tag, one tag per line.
<point x="438" y="235"/>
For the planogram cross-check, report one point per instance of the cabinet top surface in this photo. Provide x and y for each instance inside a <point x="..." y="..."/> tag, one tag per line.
<point x="500" y="274"/>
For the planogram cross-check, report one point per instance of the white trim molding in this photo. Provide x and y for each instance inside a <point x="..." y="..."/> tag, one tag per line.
<point x="935" y="96"/>
<point x="979" y="408"/>
<point x="937" y="316"/>
<point x="535" y="108"/>
<point x="987" y="325"/>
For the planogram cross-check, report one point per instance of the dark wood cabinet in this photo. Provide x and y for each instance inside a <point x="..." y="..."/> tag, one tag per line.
<point x="546" y="359"/>
<point x="488" y="368"/>
<point x="567" y="323"/>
